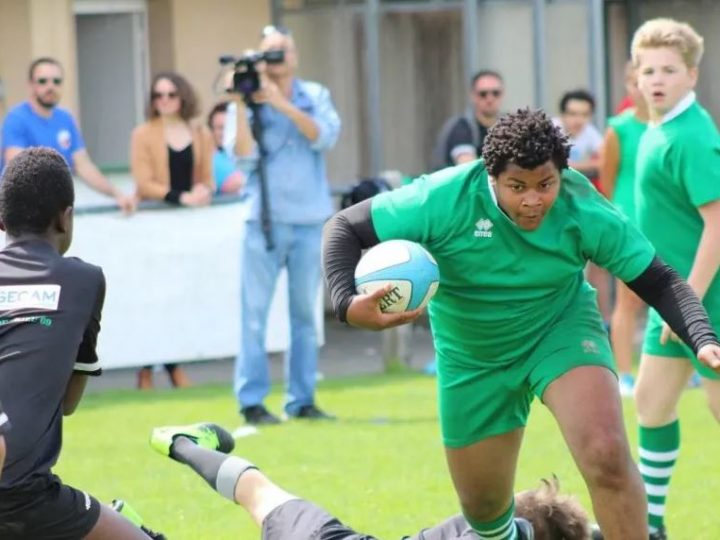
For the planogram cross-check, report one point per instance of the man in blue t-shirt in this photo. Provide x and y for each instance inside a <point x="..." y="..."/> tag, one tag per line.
<point x="40" y="122"/>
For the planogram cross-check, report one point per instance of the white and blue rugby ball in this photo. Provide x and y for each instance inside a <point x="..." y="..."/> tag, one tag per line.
<point x="407" y="266"/>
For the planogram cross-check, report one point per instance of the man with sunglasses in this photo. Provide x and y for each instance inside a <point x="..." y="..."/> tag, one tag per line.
<point x="39" y="121"/>
<point x="300" y="124"/>
<point x="461" y="138"/>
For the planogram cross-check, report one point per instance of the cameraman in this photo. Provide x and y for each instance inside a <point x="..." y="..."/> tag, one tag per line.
<point x="300" y="124"/>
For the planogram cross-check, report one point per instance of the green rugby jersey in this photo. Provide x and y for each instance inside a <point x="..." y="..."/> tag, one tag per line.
<point x="678" y="170"/>
<point x="628" y="130"/>
<point x="501" y="287"/>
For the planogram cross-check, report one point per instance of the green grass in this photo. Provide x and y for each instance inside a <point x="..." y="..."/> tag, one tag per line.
<point x="380" y="468"/>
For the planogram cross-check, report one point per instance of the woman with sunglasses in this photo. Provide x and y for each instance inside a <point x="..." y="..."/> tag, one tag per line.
<point x="171" y="160"/>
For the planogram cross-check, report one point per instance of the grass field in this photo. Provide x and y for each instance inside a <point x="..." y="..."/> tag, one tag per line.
<point x="380" y="468"/>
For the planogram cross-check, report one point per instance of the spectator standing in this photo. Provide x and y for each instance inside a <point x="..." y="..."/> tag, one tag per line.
<point x="300" y="125"/>
<point x="226" y="176"/>
<point x="461" y="138"/>
<point x="617" y="177"/>
<point x="39" y="121"/>
<point x="576" y="112"/>
<point x="170" y="160"/>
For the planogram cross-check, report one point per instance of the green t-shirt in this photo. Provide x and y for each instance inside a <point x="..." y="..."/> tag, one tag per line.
<point x="501" y="287"/>
<point x="678" y="170"/>
<point x="628" y="130"/>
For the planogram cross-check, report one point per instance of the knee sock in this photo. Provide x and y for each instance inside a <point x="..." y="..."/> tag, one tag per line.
<point x="219" y="470"/>
<point x="502" y="528"/>
<point x="659" y="449"/>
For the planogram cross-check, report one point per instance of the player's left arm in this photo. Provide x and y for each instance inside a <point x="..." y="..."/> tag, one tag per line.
<point x="674" y="299"/>
<point x="87" y="362"/>
<point x="88" y="171"/>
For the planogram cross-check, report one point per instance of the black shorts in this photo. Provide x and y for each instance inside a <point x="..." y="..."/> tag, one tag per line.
<point x="45" y="509"/>
<point x="302" y="520"/>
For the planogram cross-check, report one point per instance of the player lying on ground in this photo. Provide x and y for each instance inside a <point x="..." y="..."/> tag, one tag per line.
<point x="49" y="322"/>
<point x="283" y="516"/>
<point x="514" y="318"/>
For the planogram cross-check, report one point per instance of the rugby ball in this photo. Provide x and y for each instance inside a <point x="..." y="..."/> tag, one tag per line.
<point x="406" y="266"/>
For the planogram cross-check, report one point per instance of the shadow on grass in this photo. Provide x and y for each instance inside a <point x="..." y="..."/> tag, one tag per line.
<point x="215" y="391"/>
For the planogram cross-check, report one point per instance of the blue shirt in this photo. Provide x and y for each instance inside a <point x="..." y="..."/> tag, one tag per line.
<point x="24" y="128"/>
<point x="298" y="189"/>
<point x="223" y="167"/>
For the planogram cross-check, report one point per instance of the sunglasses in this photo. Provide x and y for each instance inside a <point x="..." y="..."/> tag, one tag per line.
<point x="57" y="81"/>
<point x="169" y="95"/>
<point x="485" y="93"/>
<point x="272" y="29"/>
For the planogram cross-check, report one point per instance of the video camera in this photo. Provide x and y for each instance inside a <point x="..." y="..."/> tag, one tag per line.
<point x="246" y="79"/>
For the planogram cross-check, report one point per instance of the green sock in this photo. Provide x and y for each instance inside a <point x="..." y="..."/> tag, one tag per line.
<point x="502" y="528"/>
<point x="659" y="449"/>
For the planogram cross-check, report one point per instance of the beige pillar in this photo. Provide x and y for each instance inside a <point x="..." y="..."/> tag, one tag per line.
<point x="15" y="52"/>
<point x="52" y="33"/>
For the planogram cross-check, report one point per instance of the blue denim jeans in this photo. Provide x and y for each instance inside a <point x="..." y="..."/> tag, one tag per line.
<point x="297" y="247"/>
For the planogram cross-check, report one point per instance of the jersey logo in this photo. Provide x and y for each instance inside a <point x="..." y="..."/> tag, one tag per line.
<point x="42" y="297"/>
<point x="483" y="228"/>
<point x="590" y="347"/>
<point x="64" y="139"/>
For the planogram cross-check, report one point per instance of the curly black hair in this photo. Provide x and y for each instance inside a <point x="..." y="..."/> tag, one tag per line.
<point x="526" y="138"/>
<point x="36" y="186"/>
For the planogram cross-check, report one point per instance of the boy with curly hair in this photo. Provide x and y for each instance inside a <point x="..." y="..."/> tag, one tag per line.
<point x="514" y="318"/>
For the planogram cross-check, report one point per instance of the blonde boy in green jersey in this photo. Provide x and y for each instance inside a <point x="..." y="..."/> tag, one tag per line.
<point x="513" y="317"/>
<point x="678" y="198"/>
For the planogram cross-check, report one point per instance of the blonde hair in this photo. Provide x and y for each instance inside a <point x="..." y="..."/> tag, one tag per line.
<point x="662" y="32"/>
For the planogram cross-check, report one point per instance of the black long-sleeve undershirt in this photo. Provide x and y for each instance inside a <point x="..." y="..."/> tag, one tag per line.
<point x="351" y="230"/>
<point x="344" y="237"/>
<point x="662" y="288"/>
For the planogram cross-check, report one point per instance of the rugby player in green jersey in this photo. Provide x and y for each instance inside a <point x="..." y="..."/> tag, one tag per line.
<point x="514" y="318"/>
<point x="678" y="209"/>
<point x="617" y="176"/>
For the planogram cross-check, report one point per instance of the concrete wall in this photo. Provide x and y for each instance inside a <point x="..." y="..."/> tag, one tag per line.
<point x="421" y="71"/>
<point x="33" y="28"/>
<point x="202" y="31"/>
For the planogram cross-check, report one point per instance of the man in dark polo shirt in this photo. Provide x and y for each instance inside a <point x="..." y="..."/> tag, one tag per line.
<point x="49" y="322"/>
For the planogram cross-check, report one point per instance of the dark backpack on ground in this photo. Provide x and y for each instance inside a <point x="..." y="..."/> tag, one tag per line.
<point x="364" y="189"/>
<point x="439" y="153"/>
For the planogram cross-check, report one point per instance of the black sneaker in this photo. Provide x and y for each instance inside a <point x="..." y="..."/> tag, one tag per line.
<point x="311" y="412"/>
<point x="660" y="534"/>
<point x="525" y="529"/>
<point x="258" y="414"/>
